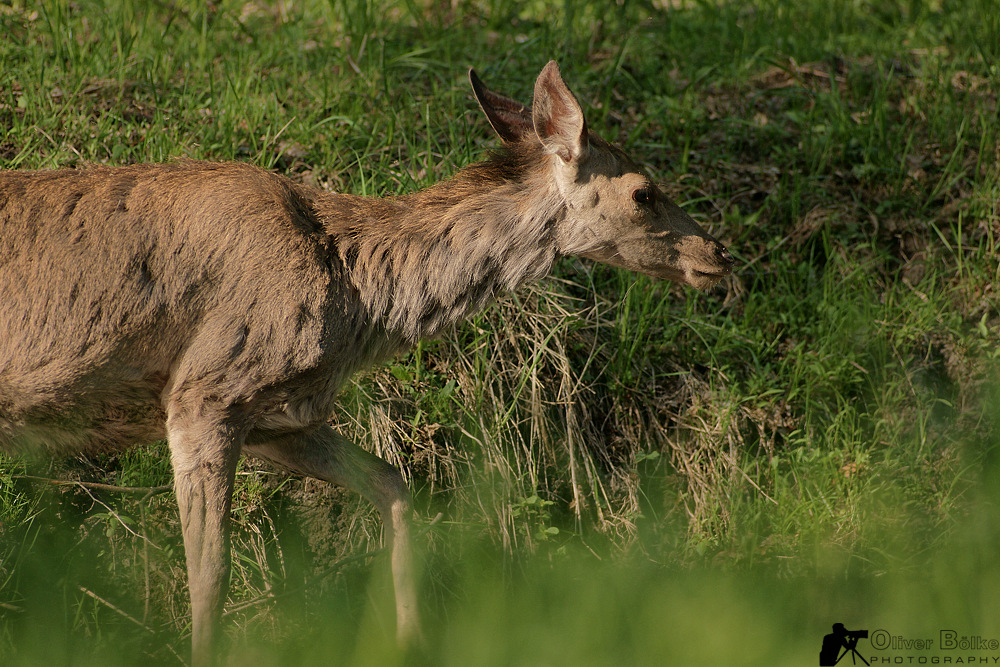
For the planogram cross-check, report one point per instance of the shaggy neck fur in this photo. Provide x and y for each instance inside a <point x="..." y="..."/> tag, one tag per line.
<point x="423" y="262"/>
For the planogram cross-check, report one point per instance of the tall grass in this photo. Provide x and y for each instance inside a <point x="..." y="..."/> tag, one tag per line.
<point x="607" y="469"/>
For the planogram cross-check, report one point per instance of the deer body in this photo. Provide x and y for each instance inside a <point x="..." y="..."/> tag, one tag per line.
<point x="222" y="307"/>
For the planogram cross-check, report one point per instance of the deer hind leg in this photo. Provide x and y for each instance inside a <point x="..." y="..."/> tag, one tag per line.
<point x="204" y="451"/>
<point x="327" y="455"/>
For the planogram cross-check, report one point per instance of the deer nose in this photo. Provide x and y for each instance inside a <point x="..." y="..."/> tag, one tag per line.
<point x="724" y="254"/>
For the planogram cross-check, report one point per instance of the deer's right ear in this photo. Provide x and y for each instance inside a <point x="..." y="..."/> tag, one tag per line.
<point x="509" y="118"/>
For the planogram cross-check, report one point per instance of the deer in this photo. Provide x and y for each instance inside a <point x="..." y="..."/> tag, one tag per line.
<point x="221" y="307"/>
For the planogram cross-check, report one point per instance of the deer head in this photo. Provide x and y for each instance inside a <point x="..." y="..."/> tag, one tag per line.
<point x="612" y="211"/>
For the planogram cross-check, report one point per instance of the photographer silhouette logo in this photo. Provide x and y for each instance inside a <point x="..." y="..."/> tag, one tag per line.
<point x="841" y="638"/>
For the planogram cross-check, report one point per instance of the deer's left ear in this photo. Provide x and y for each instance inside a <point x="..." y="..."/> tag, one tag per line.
<point x="557" y="116"/>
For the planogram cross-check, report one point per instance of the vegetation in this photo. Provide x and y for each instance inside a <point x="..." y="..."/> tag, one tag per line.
<point x="607" y="469"/>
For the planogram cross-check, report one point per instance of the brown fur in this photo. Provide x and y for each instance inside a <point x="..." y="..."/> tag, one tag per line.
<point x="222" y="307"/>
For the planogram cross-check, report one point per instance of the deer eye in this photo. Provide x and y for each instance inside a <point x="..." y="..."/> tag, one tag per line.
<point x="643" y="195"/>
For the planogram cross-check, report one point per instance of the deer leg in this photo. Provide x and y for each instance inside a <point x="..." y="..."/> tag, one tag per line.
<point x="327" y="455"/>
<point x="204" y="453"/>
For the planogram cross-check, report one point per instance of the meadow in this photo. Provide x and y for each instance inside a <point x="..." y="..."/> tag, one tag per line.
<point x="607" y="469"/>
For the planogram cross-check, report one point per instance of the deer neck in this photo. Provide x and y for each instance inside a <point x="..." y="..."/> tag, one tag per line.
<point x="423" y="262"/>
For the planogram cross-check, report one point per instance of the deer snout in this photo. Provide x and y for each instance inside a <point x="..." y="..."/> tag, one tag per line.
<point x="725" y="256"/>
<point x="724" y="259"/>
<point x="705" y="262"/>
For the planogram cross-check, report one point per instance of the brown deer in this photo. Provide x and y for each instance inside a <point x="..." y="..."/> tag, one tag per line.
<point x="222" y="307"/>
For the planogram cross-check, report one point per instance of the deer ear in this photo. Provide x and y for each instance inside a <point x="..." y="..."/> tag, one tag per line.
<point x="509" y="118"/>
<point x="557" y="116"/>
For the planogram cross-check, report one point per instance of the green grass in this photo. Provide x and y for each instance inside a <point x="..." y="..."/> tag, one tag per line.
<point x="626" y="472"/>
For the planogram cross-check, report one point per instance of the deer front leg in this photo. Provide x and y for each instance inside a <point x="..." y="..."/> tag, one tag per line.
<point x="327" y="455"/>
<point x="204" y="453"/>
